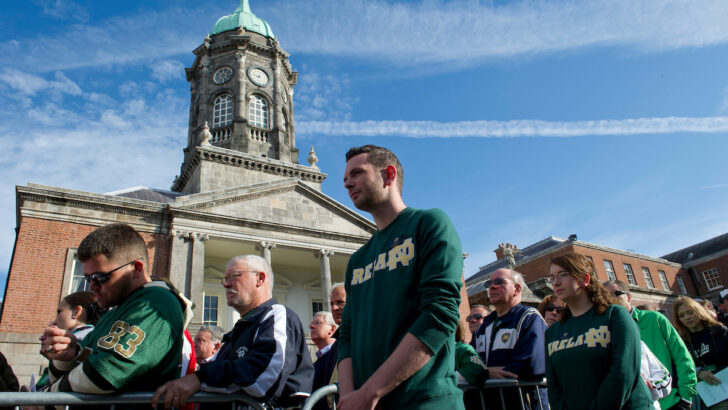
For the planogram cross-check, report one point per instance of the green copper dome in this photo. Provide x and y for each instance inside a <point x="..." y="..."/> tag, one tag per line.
<point x="243" y="17"/>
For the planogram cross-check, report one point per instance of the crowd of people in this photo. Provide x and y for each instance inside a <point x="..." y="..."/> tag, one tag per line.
<point x="393" y="337"/>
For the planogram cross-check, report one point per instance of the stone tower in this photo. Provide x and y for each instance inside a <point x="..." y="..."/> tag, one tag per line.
<point x="241" y="128"/>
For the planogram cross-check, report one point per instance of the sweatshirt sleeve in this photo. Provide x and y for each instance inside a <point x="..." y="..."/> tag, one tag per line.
<point x="343" y="340"/>
<point x="619" y="382"/>
<point x="681" y="359"/>
<point x="441" y="268"/>
<point x="553" y="385"/>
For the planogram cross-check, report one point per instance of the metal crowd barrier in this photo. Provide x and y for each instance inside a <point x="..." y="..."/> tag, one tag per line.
<point x="488" y="388"/>
<point x="12" y="399"/>
<point x="319" y="394"/>
<point x="490" y="385"/>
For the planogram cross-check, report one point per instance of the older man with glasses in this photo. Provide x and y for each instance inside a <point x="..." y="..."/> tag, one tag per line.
<point x="264" y="356"/>
<point x="511" y="340"/>
<point x="143" y="331"/>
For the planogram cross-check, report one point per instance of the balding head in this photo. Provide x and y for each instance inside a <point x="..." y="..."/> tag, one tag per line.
<point x="505" y="289"/>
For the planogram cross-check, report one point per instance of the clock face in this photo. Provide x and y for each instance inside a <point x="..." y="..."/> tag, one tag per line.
<point x="258" y="76"/>
<point x="222" y="75"/>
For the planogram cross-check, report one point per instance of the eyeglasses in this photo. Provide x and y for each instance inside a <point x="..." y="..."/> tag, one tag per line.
<point x="101" y="277"/>
<point x="476" y="316"/>
<point x="558" y="309"/>
<point x="496" y="282"/>
<point x="618" y="293"/>
<point x="560" y="275"/>
<point x="235" y="275"/>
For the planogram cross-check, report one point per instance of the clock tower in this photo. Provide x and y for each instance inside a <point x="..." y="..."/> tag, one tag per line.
<point x="241" y="109"/>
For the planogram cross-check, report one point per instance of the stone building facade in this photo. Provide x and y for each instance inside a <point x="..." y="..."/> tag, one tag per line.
<point x="240" y="190"/>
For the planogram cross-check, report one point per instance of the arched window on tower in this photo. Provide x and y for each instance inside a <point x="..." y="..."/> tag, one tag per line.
<point x="258" y="112"/>
<point x="223" y="111"/>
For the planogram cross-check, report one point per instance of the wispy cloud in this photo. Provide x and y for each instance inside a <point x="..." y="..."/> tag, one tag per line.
<point x="515" y="128"/>
<point x="452" y="34"/>
<point x="463" y="32"/>
<point x="712" y="186"/>
<point x="167" y="70"/>
<point x="323" y="96"/>
<point x="63" y="9"/>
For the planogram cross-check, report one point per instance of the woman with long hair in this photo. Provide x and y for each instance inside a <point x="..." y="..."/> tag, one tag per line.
<point x="550" y="309"/>
<point x="705" y="337"/>
<point x="593" y="352"/>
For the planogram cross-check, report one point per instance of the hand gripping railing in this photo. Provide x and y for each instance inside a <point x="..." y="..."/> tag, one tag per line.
<point x="12" y="399"/>
<point x="319" y="394"/>
<point x="500" y="384"/>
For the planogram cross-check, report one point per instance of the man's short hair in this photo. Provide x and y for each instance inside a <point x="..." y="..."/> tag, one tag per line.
<point x="216" y="332"/>
<point x="380" y="157"/>
<point x="517" y="277"/>
<point x="478" y="306"/>
<point x="118" y="242"/>
<point x="337" y="285"/>
<point x="620" y="285"/>
<point x="256" y="263"/>
<point x="327" y="316"/>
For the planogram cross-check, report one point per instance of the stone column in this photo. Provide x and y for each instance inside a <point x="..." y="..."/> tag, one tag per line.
<point x="196" y="276"/>
<point x="179" y="260"/>
<point x="324" y="255"/>
<point x="264" y="247"/>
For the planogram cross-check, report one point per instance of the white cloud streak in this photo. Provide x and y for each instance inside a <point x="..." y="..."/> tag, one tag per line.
<point x="453" y="34"/>
<point x="468" y="31"/>
<point x="515" y="128"/>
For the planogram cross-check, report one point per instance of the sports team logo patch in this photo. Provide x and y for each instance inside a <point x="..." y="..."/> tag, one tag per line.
<point x="241" y="351"/>
<point x="505" y="337"/>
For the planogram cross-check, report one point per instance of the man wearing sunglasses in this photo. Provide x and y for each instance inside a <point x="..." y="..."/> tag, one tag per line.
<point x="511" y="340"/>
<point x="476" y="316"/>
<point x="665" y="343"/>
<point x="135" y="346"/>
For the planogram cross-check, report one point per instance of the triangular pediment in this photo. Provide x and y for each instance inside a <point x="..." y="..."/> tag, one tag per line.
<point x="287" y="202"/>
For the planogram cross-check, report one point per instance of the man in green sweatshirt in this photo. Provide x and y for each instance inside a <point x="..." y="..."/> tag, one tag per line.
<point x="396" y="340"/>
<point x="664" y="342"/>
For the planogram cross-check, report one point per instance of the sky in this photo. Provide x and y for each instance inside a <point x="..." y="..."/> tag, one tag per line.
<point x="520" y="119"/>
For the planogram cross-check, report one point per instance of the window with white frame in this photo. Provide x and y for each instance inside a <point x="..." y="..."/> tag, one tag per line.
<point x="630" y="274"/>
<point x="681" y="284"/>
<point x="663" y="279"/>
<point x="258" y="112"/>
<point x="648" y="277"/>
<point x="222" y="111"/>
<point x="609" y="267"/>
<point x="78" y="281"/>
<point x="209" y="313"/>
<point x="711" y="278"/>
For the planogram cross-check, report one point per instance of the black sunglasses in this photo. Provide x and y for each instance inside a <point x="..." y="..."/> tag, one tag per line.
<point x="558" y="309"/>
<point x="101" y="277"/>
<point x="497" y="282"/>
<point x="618" y="293"/>
<point x="476" y="316"/>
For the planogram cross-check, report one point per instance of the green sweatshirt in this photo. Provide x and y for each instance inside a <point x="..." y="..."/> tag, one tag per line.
<point x="406" y="279"/>
<point x="593" y="362"/>
<point x="468" y="364"/>
<point x="663" y="340"/>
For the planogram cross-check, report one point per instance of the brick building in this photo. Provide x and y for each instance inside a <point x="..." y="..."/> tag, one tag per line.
<point x="653" y="281"/>
<point x="706" y="263"/>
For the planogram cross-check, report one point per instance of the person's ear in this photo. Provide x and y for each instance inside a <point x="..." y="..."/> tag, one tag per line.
<point x="390" y="175"/>
<point x="587" y="280"/>
<point x="218" y="345"/>
<point x="138" y="268"/>
<point x="260" y="279"/>
<point x="77" y="311"/>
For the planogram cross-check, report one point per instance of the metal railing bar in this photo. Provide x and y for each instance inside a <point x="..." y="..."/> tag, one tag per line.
<point x="18" y="399"/>
<point x="318" y="395"/>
